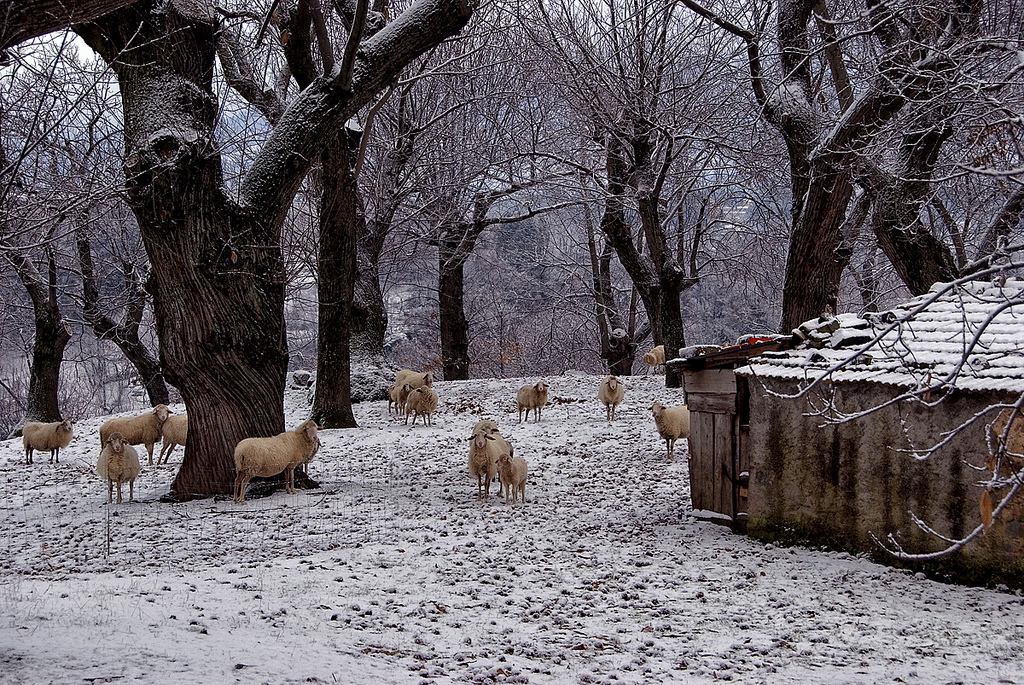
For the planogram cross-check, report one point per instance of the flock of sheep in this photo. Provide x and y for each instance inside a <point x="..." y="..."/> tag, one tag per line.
<point x="490" y="454"/>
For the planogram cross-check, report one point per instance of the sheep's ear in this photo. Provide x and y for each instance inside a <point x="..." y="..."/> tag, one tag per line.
<point x="489" y="436"/>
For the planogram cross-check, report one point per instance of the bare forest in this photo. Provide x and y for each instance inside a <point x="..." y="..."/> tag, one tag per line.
<point x="200" y="198"/>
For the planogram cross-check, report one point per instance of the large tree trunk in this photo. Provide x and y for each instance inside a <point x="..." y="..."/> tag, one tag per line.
<point x="126" y="334"/>
<point x="51" y="338"/>
<point x="336" y="268"/>
<point x="218" y="275"/>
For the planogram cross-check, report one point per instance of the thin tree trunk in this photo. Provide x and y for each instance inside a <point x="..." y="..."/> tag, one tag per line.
<point x="126" y="334"/>
<point x="336" y="268"/>
<point x="452" y="312"/>
<point x="51" y="338"/>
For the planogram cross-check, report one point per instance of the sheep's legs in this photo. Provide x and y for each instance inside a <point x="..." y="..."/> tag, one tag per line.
<point x="240" y="482"/>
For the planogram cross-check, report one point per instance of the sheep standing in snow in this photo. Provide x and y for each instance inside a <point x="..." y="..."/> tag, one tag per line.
<point x="144" y="429"/>
<point x="421" y="402"/>
<point x="512" y="471"/>
<point x="485" y="446"/>
<point x="611" y="393"/>
<point x="532" y="397"/>
<point x="397" y="397"/>
<point x="175" y="432"/>
<point x="655" y="358"/>
<point x="270" y="456"/>
<point x="673" y="423"/>
<point x="414" y="378"/>
<point x="118" y="463"/>
<point x="46" y="436"/>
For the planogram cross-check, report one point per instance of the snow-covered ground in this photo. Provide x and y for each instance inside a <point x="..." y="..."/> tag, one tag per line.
<point x="393" y="572"/>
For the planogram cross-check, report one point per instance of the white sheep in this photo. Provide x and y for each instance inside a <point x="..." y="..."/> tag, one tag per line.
<point x="46" y="436"/>
<point x="656" y="357"/>
<point x="144" y="429"/>
<point x="611" y="393"/>
<point x="175" y="432"/>
<point x="118" y="463"/>
<point x="421" y="402"/>
<point x="485" y="446"/>
<point x="270" y="456"/>
<point x="414" y="378"/>
<point x="512" y="471"/>
<point x="673" y="423"/>
<point x="532" y="397"/>
<point x="397" y="397"/>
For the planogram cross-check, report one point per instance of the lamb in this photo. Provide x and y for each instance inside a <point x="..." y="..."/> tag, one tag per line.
<point x="397" y="397"/>
<point x="46" y="436"/>
<point x="421" y="402"/>
<point x="673" y="423"/>
<point x="118" y="463"/>
<point x="175" y="431"/>
<point x="611" y="393"/>
<point x="144" y="429"/>
<point x="512" y="471"/>
<point x="656" y="357"/>
<point x="532" y="397"/>
<point x="270" y="456"/>
<point x="485" y="446"/>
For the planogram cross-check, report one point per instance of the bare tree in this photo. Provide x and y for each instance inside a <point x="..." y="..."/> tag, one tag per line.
<point x="218" y="280"/>
<point x="918" y="65"/>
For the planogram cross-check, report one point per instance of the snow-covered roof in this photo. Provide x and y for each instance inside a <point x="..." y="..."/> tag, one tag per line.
<point x="968" y="335"/>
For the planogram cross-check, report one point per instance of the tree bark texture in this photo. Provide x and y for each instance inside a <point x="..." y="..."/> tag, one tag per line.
<point x="617" y="346"/>
<point x="218" y="276"/>
<point x="126" y="334"/>
<point x="218" y="273"/>
<point x="658" y="278"/>
<point x="336" y="274"/>
<point x="452" y="313"/>
<point x="51" y="338"/>
<point x="24" y="19"/>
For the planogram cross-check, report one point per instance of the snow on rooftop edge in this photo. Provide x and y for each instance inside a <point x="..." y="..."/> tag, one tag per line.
<point x="982" y="322"/>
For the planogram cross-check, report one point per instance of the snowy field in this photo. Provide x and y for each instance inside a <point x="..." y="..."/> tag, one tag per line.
<point x="393" y="572"/>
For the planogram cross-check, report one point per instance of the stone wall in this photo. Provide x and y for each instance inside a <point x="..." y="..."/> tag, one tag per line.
<point x="841" y="486"/>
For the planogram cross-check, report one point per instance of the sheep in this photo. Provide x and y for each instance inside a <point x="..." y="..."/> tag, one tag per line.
<point x="673" y="423"/>
<point x="270" y="456"/>
<point x="118" y="463"/>
<point x="397" y="397"/>
<point x="144" y="429"/>
<point x="485" y="446"/>
<point x="413" y="378"/>
<point x="512" y="471"/>
<point x="656" y="357"/>
<point x="532" y="397"/>
<point x="46" y="436"/>
<point x="421" y="402"/>
<point x="611" y="393"/>
<point x="174" y="432"/>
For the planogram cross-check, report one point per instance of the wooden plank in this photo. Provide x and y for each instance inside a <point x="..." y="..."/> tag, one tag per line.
<point x="714" y="404"/>
<point x="719" y="381"/>
<point x="724" y="470"/>
<point x="743" y="469"/>
<point x="701" y="460"/>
